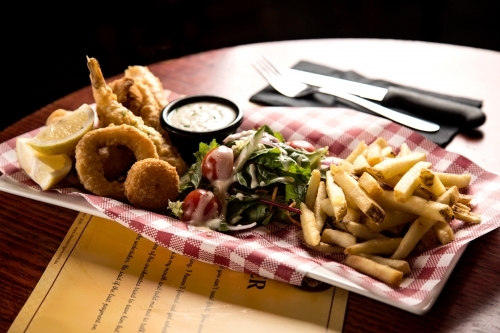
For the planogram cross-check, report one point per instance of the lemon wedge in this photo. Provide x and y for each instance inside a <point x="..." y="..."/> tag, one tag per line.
<point x="62" y="136"/>
<point x="45" y="170"/>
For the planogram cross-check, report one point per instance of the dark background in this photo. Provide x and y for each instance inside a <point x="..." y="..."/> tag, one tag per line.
<point x="46" y="43"/>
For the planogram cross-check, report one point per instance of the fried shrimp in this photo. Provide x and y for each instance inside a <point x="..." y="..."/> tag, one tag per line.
<point x="143" y="75"/>
<point x="109" y="110"/>
<point x="128" y="94"/>
<point x="88" y="160"/>
<point x="150" y="110"/>
<point x="138" y="98"/>
<point x="151" y="183"/>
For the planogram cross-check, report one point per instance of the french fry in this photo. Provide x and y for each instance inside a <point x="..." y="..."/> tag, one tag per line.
<point x="351" y="215"/>
<point x="426" y="176"/>
<point x="459" y="206"/>
<point x="351" y="204"/>
<point x="309" y="225"/>
<point x="374" y="154"/>
<point x="360" y="148"/>
<point x="443" y="232"/>
<point x="432" y="182"/>
<point x="387" y="152"/>
<point x="339" y="225"/>
<point x="334" y="168"/>
<point x="352" y="190"/>
<point x="424" y="193"/>
<point x="337" y="237"/>
<point x="326" y="206"/>
<point x="392" y="219"/>
<point x="450" y="197"/>
<point x="419" y="192"/>
<point x="312" y="188"/>
<point x="464" y="198"/>
<point x="400" y="265"/>
<point x="374" y="246"/>
<point x="391" y="182"/>
<point x="409" y="182"/>
<point x="416" y="205"/>
<point x="463" y="213"/>
<point x="450" y="179"/>
<point x="380" y="141"/>
<point x="391" y="167"/>
<point x="362" y="231"/>
<point x="322" y="247"/>
<point x="336" y="197"/>
<point x="327" y="248"/>
<point x="319" y="213"/>
<point x="403" y="150"/>
<point x="360" y="164"/>
<point x="346" y="166"/>
<point x="369" y="267"/>
<point x="370" y="185"/>
<point x="418" y="229"/>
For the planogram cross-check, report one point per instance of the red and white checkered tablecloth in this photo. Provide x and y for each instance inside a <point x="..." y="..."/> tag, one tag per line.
<point x="274" y="251"/>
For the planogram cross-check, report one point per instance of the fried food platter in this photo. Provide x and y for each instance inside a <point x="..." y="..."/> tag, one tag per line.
<point x="248" y="251"/>
<point x="328" y="271"/>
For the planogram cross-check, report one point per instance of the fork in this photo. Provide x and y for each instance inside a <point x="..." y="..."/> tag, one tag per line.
<point x="294" y="89"/>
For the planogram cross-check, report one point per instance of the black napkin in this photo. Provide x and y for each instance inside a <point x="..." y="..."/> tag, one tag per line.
<point x="269" y="96"/>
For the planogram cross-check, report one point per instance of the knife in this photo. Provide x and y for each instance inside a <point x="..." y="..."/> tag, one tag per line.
<point x="432" y="107"/>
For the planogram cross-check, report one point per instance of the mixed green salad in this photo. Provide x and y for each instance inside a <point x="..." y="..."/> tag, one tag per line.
<point x="253" y="178"/>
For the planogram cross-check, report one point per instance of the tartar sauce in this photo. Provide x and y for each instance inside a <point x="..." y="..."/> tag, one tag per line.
<point x="201" y="116"/>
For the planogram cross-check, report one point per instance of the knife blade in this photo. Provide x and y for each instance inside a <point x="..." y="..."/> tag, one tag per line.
<point x="431" y="107"/>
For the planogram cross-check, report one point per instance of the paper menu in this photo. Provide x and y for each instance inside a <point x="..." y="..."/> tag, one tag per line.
<point x="107" y="278"/>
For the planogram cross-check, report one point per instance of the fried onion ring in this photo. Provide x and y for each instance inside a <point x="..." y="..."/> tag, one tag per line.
<point x="151" y="183"/>
<point x="89" y="164"/>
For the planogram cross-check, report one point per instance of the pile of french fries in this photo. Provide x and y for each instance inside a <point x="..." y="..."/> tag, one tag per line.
<point x="377" y="207"/>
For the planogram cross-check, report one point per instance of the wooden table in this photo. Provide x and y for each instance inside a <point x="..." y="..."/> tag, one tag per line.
<point x="30" y="231"/>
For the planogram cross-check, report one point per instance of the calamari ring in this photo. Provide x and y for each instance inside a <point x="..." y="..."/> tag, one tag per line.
<point x="88" y="162"/>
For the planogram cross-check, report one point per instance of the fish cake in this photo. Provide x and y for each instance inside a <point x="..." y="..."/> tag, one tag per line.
<point x="151" y="183"/>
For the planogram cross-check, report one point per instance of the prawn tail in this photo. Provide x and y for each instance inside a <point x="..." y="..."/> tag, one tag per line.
<point x="96" y="77"/>
<point x="103" y="94"/>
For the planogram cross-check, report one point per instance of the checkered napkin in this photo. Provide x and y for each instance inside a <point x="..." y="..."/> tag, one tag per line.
<point x="274" y="251"/>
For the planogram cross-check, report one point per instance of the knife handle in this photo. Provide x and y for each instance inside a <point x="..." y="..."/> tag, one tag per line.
<point x="435" y="108"/>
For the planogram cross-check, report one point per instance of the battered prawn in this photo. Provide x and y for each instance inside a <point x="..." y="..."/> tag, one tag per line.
<point x="89" y="165"/>
<point x="110" y="111"/>
<point x="128" y="94"/>
<point x="141" y="92"/>
<point x="138" y="98"/>
<point x="143" y="75"/>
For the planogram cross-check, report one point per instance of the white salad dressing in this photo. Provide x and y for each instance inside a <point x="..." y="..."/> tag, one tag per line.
<point x="198" y="212"/>
<point x="201" y="116"/>
<point x="240" y="135"/>
<point x="251" y="169"/>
